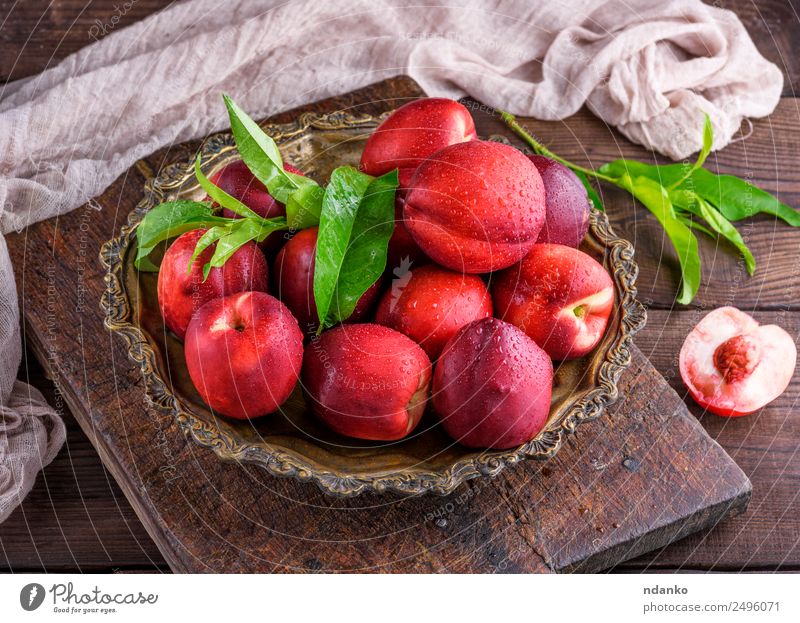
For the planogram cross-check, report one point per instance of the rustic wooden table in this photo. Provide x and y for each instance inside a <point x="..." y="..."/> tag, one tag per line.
<point x="76" y="518"/>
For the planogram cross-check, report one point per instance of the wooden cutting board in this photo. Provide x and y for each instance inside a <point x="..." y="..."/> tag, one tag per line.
<point x="640" y="477"/>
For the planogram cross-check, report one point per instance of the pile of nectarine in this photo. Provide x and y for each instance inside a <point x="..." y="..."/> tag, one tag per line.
<point x="484" y="287"/>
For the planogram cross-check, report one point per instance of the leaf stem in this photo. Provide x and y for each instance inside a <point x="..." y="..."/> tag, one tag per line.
<point x="511" y="121"/>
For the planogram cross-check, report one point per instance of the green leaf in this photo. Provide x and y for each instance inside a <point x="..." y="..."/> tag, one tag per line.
<point x="695" y="225"/>
<point x="655" y="198"/>
<point x="593" y="196"/>
<point x="356" y="223"/>
<point x="231" y="236"/>
<point x="301" y="195"/>
<point x="735" y="198"/>
<point x="168" y="220"/>
<point x="219" y="195"/>
<point x="239" y="233"/>
<point x="708" y="140"/>
<point x="303" y="206"/>
<point x="691" y="202"/>
<point x="738" y="199"/>
<point x="205" y="241"/>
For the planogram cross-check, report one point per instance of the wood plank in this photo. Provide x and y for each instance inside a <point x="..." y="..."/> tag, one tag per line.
<point x="765" y="537"/>
<point x="75" y="518"/>
<point x="764" y="445"/>
<point x="37" y="34"/>
<point x="641" y="476"/>
<point x="34" y="36"/>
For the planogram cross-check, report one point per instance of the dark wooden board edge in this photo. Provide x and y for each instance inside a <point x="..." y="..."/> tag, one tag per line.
<point x="666" y="535"/>
<point x="140" y="503"/>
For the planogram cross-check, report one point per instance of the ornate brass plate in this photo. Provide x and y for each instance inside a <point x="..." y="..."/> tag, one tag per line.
<point x="291" y="442"/>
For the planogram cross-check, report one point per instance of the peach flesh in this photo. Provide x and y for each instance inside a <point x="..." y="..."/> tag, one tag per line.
<point x="181" y="294"/>
<point x="732" y="366"/>
<point x="367" y="381"/>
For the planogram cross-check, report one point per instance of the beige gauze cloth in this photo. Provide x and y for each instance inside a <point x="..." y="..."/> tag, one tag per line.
<point x="648" y="68"/>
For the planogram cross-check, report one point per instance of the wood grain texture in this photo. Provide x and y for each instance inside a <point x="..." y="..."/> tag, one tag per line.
<point x="37" y="34"/>
<point x="638" y="478"/>
<point x="75" y="518"/>
<point x="765" y="445"/>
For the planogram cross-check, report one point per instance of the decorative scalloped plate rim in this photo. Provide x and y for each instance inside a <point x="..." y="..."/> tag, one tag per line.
<point x="287" y="463"/>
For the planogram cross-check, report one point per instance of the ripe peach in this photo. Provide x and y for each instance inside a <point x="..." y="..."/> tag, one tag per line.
<point x="431" y="304"/>
<point x="567" y="204"/>
<point x="367" y="381"/>
<point x="237" y="180"/>
<point x="181" y="293"/>
<point x="559" y="296"/>
<point x="412" y="133"/>
<point x="492" y="386"/>
<point x="244" y="353"/>
<point x="476" y="207"/>
<point x="293" y="281"/>
<point x="733" y="366"/>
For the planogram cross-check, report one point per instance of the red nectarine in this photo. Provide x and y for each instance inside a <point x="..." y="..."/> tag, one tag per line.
<point x="476" y="207"/>
<point x="402" y="252"/>
<point x="567" y="204"/>
<point x="293" y="281"/>
<point x="431" y="303"/>
<point x="244" y="353"/>
<point x="492" y="386"/>
<point x="182" y="292"/>
<point x="237" y="180"/>
<point x="560" y="297"/>
<point x="412" y="133"/>
<point x="367" y="381"/>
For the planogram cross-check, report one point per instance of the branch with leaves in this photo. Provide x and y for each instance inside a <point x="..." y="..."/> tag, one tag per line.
<point x="684" y="198"/>
<point x="355" y="215"/>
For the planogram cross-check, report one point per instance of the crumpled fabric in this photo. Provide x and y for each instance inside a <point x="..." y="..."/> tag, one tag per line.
<point x="648" y="68"/>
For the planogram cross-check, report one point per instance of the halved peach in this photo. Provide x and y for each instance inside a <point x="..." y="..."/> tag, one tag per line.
<point x="732" y="366"/>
